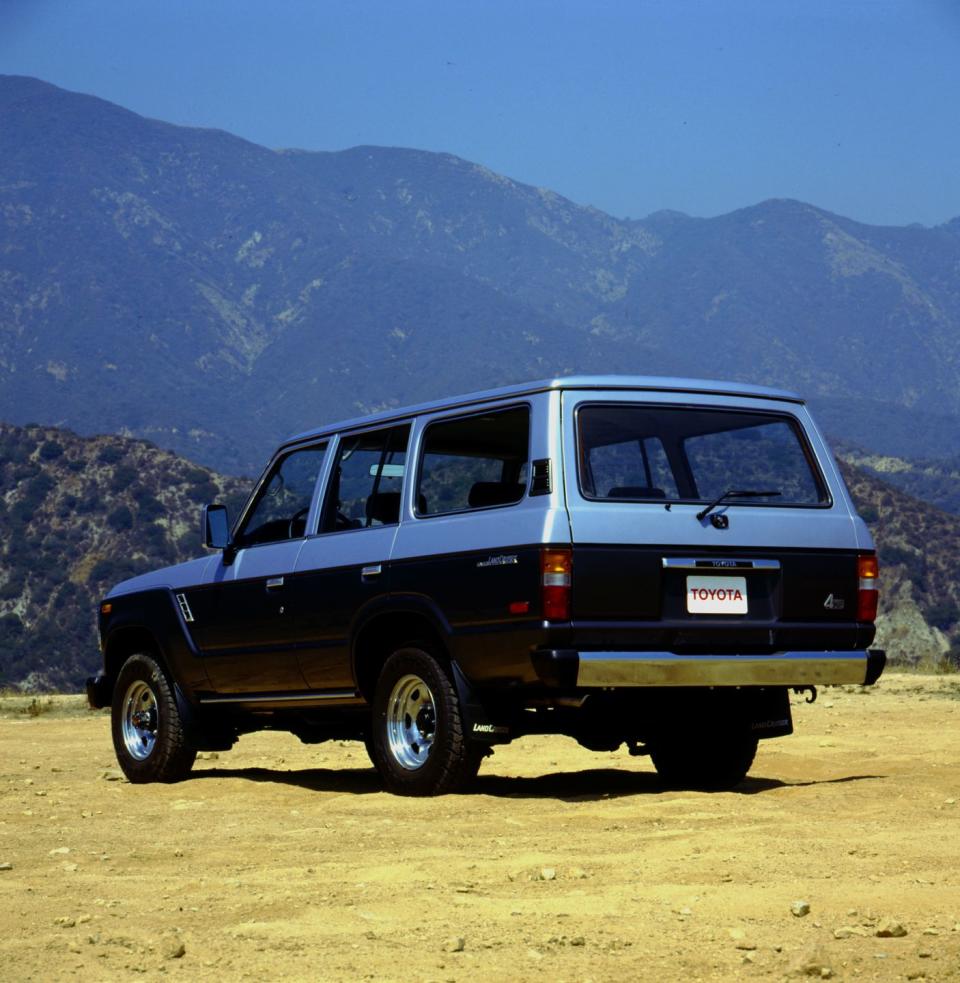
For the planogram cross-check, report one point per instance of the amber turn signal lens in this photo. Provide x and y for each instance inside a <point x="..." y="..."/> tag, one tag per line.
<point x="556" y="561"/>
<point x="106" y="608"/>
<point x="867" y="567"/>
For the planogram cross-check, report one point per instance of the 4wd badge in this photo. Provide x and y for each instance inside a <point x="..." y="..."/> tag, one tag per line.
<point x="834" y="603"/>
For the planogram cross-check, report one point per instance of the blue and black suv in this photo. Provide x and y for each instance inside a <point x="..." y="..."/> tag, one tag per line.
<point x="639" y="561"/>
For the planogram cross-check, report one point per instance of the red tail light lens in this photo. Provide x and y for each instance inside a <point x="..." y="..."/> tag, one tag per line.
<point x="868" y="570"/>
<point x="555" y="569"/>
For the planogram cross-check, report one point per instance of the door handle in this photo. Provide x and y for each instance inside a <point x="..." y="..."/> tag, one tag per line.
<point x="374" y="570"/>
<point x="274" y="583"/>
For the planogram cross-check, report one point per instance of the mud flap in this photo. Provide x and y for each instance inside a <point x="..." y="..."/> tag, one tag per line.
<point x="202" y="735"/>
<point x="767" y="712"/>
<point x="99" y="691"/>
<point x="478" y="724"/>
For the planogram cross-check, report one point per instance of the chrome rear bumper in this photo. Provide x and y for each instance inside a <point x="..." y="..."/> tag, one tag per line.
<point x="615" y="669"/>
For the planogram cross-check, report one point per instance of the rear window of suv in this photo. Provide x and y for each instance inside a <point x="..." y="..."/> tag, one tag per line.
<point x="642" y="452"/>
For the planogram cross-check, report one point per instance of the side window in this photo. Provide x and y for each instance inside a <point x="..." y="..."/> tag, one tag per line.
<point x="474" y="462"/>
<point x="367" y="480"/>
<point x="280" y="511"/>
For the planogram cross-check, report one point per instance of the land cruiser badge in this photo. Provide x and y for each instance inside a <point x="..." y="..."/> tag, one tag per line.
<point x="498" y="561"/>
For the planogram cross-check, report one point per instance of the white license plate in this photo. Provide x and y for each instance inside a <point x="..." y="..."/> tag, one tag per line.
<point x="717" y="595"/>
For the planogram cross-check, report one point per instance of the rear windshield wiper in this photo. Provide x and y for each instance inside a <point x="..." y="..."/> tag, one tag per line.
<point x="703" y="513"/>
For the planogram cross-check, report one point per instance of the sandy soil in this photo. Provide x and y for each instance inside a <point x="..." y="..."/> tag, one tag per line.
<point x="278" y="860"/>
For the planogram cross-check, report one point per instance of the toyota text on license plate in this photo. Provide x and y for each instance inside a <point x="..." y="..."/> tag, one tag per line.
<point x="717" y="595"/>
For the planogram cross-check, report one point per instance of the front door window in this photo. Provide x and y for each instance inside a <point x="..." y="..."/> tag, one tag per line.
<point x="280" y="512"/>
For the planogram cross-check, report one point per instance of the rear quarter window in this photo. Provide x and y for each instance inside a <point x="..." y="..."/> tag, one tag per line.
<point x="474" y="462"/>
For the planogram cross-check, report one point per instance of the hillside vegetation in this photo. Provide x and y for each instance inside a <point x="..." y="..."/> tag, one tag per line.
<point x="78" y="514"/>
<point x="919" y="548"/>
<point x="935" y="481"/>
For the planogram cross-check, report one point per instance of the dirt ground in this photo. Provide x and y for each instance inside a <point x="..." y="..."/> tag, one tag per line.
<point x="282" y="861"/>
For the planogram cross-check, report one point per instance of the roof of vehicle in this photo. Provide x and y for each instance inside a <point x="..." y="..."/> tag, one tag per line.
<point x="649" y="383"/>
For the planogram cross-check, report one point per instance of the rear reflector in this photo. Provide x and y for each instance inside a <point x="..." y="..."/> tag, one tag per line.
<point x="868" y="571"/>
<point x="555" y="568"/>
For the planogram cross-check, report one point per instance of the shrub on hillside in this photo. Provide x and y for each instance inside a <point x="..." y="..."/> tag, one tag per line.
<point x="50" y="450"/>
<point x="120" y="518"/>
<point x="123" y="478"/>
<point x="110" y="455"/>
<point x="943" y="614"/>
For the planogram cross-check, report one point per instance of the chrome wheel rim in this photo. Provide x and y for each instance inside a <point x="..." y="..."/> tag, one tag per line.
<point x="139" y="721"/>
<point x="411" y="722"/>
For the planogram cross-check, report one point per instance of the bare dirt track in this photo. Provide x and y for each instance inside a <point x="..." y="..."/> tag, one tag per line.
<point x="278" y="860"/>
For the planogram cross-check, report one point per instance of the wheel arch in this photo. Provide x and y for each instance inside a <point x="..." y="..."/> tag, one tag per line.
<point x="384" y="631"/>
<point x="126" y="641"/>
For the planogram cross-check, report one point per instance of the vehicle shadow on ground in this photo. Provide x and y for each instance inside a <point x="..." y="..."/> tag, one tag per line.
<point x="750" y="785"/>
<point x="569" y="786"/>
<point x="358" y="781"/>
<point x="611" y="783"/>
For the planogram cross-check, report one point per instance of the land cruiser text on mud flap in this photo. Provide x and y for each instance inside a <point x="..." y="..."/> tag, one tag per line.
<point x="639" y="561"/>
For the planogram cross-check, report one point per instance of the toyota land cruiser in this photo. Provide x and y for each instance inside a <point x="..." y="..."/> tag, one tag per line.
<point x="640" y="561"/>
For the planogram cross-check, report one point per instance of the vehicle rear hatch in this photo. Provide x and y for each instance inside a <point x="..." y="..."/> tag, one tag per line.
<point x="654" y="567"/>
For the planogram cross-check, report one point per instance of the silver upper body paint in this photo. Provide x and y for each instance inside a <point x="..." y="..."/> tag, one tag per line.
<point x="170" y="578"/>
<point x="562" y="515"/>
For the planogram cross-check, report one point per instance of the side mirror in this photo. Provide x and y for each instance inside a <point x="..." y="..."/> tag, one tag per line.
<point x="215" y="527"/>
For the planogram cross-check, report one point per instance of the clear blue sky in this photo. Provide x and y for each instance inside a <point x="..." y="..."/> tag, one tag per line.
<point x="630" y="106"/>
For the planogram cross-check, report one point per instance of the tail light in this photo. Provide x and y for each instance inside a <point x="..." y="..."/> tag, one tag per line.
<point x="555" y="569"/>
<point x="868" y="571"/>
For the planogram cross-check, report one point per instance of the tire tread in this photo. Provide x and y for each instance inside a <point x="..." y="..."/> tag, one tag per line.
<point x="457" y="760"/>
<point x="173" y="753"/>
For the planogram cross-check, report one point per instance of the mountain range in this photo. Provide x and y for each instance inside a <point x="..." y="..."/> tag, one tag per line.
<point x="213" y="295"/>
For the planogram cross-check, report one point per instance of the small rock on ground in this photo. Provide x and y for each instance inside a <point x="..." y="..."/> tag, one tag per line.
<point x="800" y="908"/>
<point x="890" y="928"/>
<point x="849" y="931"/>
<point x="173" y="949"/>
<point x="813" y="962"/>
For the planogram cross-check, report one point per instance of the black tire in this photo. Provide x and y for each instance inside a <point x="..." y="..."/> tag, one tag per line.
<point x="422" y="753"/>
<point x="713" y="763"/>
<point x="148" y="734"/>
